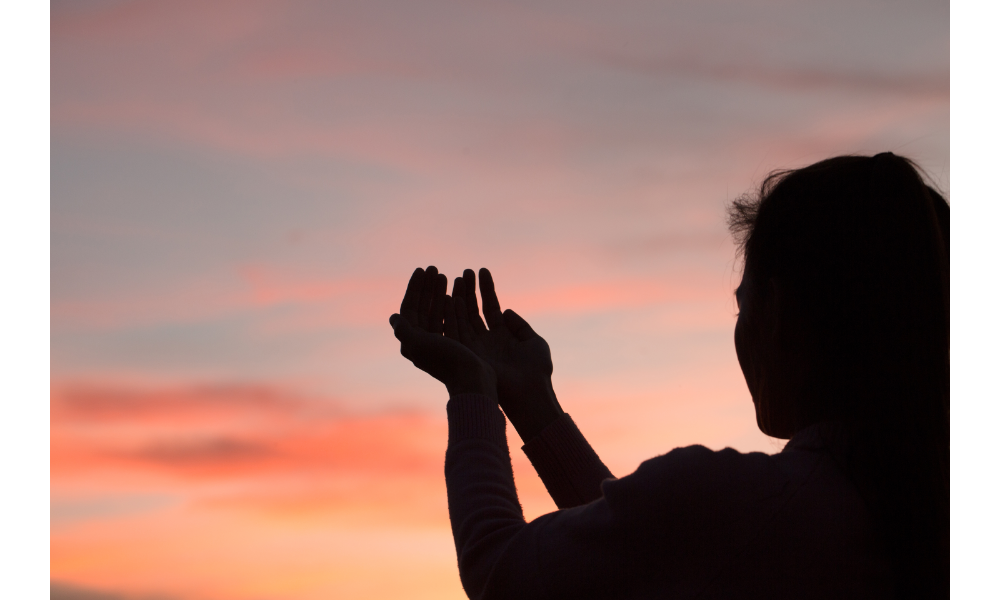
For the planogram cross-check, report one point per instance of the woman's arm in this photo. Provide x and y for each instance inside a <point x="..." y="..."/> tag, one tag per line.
<point x="566" y="463"/>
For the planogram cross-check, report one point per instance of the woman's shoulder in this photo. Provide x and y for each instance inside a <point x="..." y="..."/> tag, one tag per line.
<point x="696" y="477"/>
<point x="695" y="481"/>
<point x="699" y="467"/>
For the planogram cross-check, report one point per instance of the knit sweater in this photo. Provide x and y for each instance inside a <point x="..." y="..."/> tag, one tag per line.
<point x="692" y="523"/>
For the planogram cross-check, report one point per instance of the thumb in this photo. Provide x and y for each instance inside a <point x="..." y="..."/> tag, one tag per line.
<point x="409" y="338"/>
<point x="518" y="326"/>
<point x="401" y="328"/>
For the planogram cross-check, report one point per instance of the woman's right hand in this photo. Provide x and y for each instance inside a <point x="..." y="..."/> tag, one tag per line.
<point x="519" y="356"/>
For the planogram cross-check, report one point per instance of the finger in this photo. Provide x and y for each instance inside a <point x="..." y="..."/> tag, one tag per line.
<point x="450" y="319"/>
<point x="436" y="316"/>
<point x="518" y="326"/>
<point x="426" y="295"/>
<point x="411" y="299"/>
<point x="471" y="304"/>
<point x="465" y="333"/>
<point x="458" y="293"/>
<point x="491" y="306"/>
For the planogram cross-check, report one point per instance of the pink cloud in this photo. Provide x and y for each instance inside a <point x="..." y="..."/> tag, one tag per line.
<point x="248" y="288"/>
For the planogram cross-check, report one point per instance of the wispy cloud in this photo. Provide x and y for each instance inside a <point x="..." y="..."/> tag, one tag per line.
<point x="240" y="432"/>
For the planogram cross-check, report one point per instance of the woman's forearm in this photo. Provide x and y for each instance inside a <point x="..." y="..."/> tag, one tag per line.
<point x="482" y="499"/>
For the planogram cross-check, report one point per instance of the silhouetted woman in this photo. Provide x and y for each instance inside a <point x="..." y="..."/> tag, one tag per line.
<point x="843" y="338"/>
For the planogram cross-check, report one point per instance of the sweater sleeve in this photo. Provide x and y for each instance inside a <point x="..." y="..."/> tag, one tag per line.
<point x="482" y="499"/>
<point x="568" y="553"/>
<point x="567" y="464"/>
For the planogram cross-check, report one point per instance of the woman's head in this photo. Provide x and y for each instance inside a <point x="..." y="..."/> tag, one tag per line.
<point x="844" y="316"/>
<point x="844" y="298"/>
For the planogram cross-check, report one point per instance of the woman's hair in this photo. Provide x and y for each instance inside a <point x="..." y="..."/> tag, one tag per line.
<point x="861" y="243"/>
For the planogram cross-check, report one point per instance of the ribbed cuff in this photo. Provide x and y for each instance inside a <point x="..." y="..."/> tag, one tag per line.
<point x="478" y="417"/>
<point x="567" y="465"/>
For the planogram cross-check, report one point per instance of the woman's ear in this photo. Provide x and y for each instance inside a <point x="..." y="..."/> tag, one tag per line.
<point x="786" y="316"/>
<point x="778" y="297"/>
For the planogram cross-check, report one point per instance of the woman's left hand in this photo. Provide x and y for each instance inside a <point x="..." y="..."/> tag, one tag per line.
<point x="419" y="327"/>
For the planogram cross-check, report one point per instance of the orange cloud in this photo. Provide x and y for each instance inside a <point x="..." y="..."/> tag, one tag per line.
<point x="233" y="432"/>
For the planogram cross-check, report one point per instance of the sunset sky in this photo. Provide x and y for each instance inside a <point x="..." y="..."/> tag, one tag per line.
<point x="240" y="191"/>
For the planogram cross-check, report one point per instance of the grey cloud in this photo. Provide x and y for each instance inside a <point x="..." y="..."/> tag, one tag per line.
<point x="204" y="451"/>
<point x="66" y="591"/>
<point x="101" y="403"/>
<point x="105" y="507"/>
<point x="790" y="78"/>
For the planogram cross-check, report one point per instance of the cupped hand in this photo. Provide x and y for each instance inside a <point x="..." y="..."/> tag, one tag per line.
<point x="520" y="358"/>
<point x="419" y="327"/>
